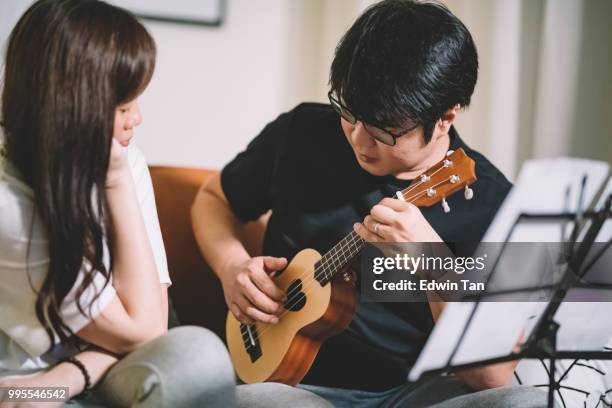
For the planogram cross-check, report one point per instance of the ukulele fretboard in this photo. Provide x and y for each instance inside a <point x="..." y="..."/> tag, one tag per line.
<point x="334" y="260"/>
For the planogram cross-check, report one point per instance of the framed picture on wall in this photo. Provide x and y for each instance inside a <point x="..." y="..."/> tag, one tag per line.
<point x="195" y="12"/>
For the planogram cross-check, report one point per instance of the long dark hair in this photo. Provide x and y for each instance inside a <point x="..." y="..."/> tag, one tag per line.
<point x="69" y="64"/>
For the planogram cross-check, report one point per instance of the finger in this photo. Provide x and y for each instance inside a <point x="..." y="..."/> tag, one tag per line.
<point x="366" y="234"/>
<point x="117" y="151"/>
<point x="272" y="264"/>
<point x="240" y="315"/>
<point x="395" y="204"/>
<point x="259" y="299"/>
<point x="374" y="226"/>
<point x="264" y="283"/>
<point x="370" y="223"/>
<point x="384" y="215"/>
<point x="260" y="316"/>
<point x="253" y="313"/>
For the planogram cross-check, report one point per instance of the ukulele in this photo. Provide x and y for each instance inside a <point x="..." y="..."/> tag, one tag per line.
<point x="320" y="290"/>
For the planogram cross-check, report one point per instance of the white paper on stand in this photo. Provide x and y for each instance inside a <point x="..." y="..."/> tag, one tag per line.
<point x="541" y="187"/>
<point x="494" y="331"/>
<point x="544" y="186"/>
<point x="584" y="326"/>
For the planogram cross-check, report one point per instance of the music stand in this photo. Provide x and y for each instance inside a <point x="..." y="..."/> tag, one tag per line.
<point x="542" y="342"/>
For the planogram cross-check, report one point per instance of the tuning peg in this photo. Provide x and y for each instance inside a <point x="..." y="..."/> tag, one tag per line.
<point x="449" y="153"/>
<point x="445" y="206"/>
<point x="468" y="193"/>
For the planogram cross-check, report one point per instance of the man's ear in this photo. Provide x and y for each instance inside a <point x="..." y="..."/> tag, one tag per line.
<point x="447" y="119"/>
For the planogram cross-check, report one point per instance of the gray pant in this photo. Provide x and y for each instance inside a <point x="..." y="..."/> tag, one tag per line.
<point x="187" y="367"/>
<point x="436" y="392"/>
<point x="190" y="367"/>
<point x="276" y="395"/>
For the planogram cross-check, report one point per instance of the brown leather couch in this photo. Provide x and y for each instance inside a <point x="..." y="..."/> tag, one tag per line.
<point x="195" y="292"/>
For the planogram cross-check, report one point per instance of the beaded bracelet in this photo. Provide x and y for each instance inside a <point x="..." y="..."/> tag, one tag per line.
<point x="81" y="367"/>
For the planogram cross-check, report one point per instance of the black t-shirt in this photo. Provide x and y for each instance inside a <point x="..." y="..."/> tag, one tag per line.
<point x="302" y="167"/>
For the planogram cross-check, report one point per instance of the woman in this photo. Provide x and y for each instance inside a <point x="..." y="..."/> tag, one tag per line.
<point x="83" y="277"/>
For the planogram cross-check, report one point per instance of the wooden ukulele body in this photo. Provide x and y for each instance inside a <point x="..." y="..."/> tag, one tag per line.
<point x="287" y="349"/>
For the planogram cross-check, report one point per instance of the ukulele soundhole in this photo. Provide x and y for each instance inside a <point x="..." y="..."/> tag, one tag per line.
<point x="296" y="299"/>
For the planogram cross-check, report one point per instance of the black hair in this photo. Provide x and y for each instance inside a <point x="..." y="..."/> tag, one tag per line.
<point x="69" y="64"/>
<point x="404" y="63"/>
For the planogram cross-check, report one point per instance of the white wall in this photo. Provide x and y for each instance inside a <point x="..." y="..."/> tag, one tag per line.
<point x="215" y="88"/>
<point x="10" y="11"/>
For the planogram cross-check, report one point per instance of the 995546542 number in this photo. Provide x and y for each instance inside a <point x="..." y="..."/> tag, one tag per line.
<point x="33" y="394"/>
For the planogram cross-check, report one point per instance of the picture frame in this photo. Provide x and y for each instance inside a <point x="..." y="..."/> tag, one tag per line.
<point x="209" y="13"/>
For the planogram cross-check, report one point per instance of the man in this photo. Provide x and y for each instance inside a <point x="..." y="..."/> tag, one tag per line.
<point x="399" y="78"/>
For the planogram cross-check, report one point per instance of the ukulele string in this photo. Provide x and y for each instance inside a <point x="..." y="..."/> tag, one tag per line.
<point x="295" y="299"/>
<point x="352" y="240"/>
<point x="349" y="243"/>
<point x="404" y="192"/>
<point x="414" y="197"/>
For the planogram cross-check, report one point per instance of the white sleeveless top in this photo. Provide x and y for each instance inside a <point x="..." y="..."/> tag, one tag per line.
<point x="24" y="344"/>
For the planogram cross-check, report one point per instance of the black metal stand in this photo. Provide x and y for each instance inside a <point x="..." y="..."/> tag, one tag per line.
<point x="544" y="339"/>
<point x="542" y="343"/>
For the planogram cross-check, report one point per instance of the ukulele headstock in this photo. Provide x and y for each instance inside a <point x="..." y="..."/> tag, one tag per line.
<point x="455" y="172"/>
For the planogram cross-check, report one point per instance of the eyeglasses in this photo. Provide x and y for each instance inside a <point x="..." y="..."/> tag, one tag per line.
<point x="382" y="135"/>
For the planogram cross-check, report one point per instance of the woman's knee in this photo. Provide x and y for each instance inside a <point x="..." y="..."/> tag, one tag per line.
<point x="188" y="365"/>
<point x="198" y="352"/>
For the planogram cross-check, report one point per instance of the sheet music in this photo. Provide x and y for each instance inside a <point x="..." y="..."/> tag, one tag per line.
<point x="584" y="325"/>
<point x="542" y="187"/>
<point x="495" y="330"/>
<point x="443" y="339"/>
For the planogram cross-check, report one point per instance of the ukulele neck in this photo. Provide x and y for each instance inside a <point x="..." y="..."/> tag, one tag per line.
<point x="337" y="258"/>
<point x="454" y="172"/>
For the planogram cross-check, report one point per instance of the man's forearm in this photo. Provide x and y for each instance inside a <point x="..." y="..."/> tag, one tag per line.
<point x="492" y="376"/>
<point x="217" y="233"/>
